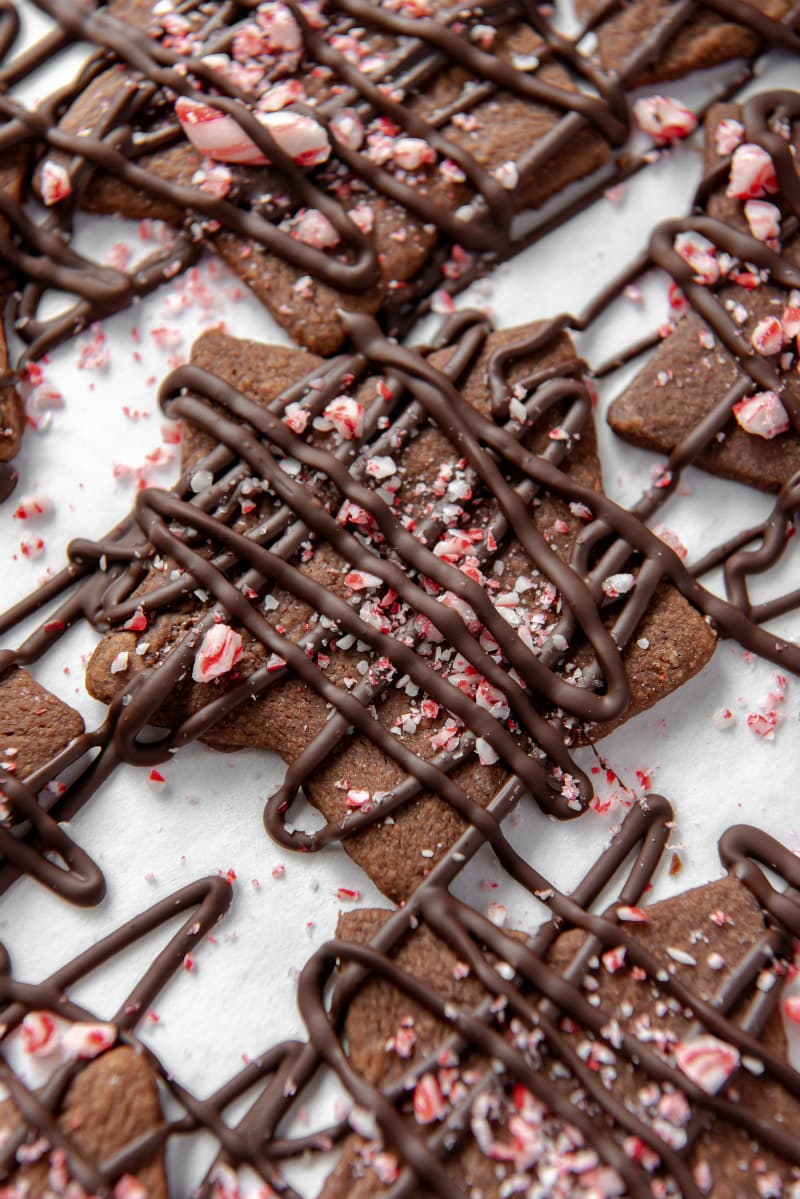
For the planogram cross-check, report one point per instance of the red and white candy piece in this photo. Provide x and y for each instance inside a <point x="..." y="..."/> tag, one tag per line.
<point x="729" y="135"/>
<point x="664" y="118"/>
<point x="32" y="546"/>
<point x="44" y="1033"/>
<point x="281" y="95"/>
<point x="671" y="538"/>
<point x="411" y="153"/>
<point x="768" y="336"/>
<point x="347" y="417"/>
<point x="40" y="1034"/>
<point x="790" y="319"/>
<point x="129" y="1187"/>
<point x="214" y="179"/>
<point x="614" y="959"/>
<point x="764" y="724"/>
<point x="791" y="1008"/>
<point x="282" y="33"/>
<point x="220" y="137"/>
<point x="314" y="229"/>
<point x="752" y="173"/>
<point x="361" y="580"/>
<point x="707" y="1061"/>
<point x="85" y="1040"/>
<point x="55" y="183"/>
<point x="357" y="797"/>
<point x="631" y="915"/>
<point x="762" y="414"/>
<point x="224" y="1183"/>
<point x="507" y="175"/>
<point x="348" y="128"/>
<point x="33" y="507"/>
<point x="616" y="585"/>
<point x="700" y="254"/>
<point x="220" y="650"/>
<point x="429" y="1104"/>
<point x="764" y="219"/>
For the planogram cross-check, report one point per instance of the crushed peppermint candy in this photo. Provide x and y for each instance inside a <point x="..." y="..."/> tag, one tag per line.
<point x="614" y="959"/>
<point x="616" y="585"/>
<point x="729" y="134"/>
<point x="220" y="650"/>
<point x="791" y="1008"/>
<point x="411" y="153"/>
<point x="768" y="335"/>
<point x="55" y="183"/>
<point x="34" y="507"/>
<point x="429" y="1104"/>
<point x="763" y="219"/>
<point x="631" y="915"/>
<point x="314" y="229"/>
<point x="707" y="1061"/>
<point x="347" y="417"/>
<point x="752" y="173"/>
<point x="220" y="137"/>
<point x="723" y="718"/>
<point x="762" y="414"/>
<point x="664" y="119"/>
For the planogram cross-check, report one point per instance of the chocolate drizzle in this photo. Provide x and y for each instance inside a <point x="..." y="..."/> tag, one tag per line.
<point x="132" y="138"/>
<point x="239" y="565"/>
<point x="532" y="995"/>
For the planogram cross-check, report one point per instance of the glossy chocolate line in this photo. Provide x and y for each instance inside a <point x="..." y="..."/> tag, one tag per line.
<point x="79" y="880"/>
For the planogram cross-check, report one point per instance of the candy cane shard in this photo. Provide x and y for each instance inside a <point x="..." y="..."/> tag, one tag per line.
<point x="220" y="137"/>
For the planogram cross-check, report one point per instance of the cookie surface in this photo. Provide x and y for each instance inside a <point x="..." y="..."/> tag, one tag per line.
<point x="703" y="40"/>
<point x="109" y="1104"/>
<point x="735" y="355"/>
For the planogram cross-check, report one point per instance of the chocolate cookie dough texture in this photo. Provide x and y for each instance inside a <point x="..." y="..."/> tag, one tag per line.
<point x="380" y="583"/>
<point x="40" y="738"/>
<point x="687" y="36"/>
<point x="723" y="389"/>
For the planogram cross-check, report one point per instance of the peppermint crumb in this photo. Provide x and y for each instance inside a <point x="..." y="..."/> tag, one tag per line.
<point x="680" y="956"/>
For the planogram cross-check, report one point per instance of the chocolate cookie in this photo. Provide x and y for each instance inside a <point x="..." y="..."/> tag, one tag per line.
<point x="419" y="625"/>
<point x="108" y="1105"/>
<point x="673" y="40"/>
<point x="722" y="389"/>
<point x="40" y="737"/>
<point x="355" y="157"/>
<point x="81" y="1113"/>
<point x="640" y="1052"/>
